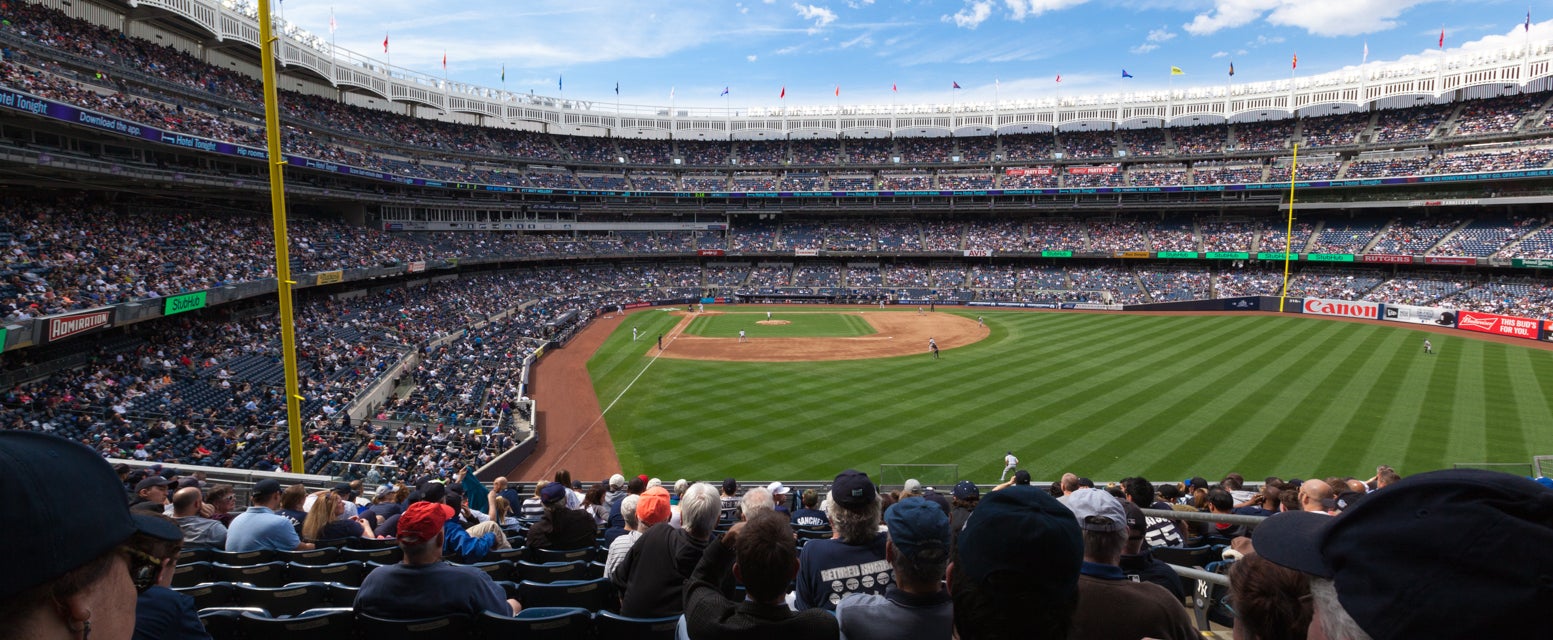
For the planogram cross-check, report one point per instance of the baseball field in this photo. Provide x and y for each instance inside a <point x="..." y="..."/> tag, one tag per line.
<point x="813" y="391"/>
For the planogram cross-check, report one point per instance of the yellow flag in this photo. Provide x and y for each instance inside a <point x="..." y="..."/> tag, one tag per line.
<point x="1176" y="71"/>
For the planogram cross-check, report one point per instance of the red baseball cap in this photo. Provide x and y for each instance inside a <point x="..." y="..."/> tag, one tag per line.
<point x="423" y="521"/>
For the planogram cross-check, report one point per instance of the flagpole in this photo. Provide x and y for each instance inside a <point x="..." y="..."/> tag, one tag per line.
<point x="1288" y="236"/>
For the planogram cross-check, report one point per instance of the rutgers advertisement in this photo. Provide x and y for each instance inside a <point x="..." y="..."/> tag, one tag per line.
<point x="1343" y="308"/>
<point x="1498" y="325"/>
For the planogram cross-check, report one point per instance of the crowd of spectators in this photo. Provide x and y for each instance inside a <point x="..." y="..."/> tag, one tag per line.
<point x="1267" y="135"/>
<point x="1334" y="131"/>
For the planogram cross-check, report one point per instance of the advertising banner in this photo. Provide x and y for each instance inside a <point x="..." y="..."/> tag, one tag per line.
<point x="1191" y="255"/>
<point x="330" y="277"/>
<point x="709" y="252"/>
<point x="1547" y="333"/>
<point x="1462" y="260"/>
<point x="1228" y="255"/>
<point x="1342" y="308"/>
<point x="415" y="267"/>
<point x="66" y="326"/>
<point x="1329" y="257"/>
<point x="1031" y="171"/>
<point x="978" y="253"/>
<point x="185" y="302"/>
<point x="3" y="332"/>
<point x="1270" y="255"/>
<point x="1498" y="325"/>
<point x="1056" y="254"/>
<point x="1533" y="263"/>
<point x="1091" y="171"/>
<point x="1386" y="258"/>
<point x="1415" y="315"/>
<point x="1134" y="254"/>
<point x="806" y="253"/>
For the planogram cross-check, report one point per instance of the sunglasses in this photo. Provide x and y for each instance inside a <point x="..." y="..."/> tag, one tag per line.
<point x="143" y="568"/>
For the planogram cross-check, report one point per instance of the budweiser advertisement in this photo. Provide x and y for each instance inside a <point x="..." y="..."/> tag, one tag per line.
<point x="1415" y="315"/>
<point x="66" y="326"/>
<point x="1031" y="171"/>
<point x="1091" y="171"/>
<point x="1343" y="308"/>
<point x="1498" y="325"/>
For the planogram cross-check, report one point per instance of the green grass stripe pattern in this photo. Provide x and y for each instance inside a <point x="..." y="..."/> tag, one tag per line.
<point x="801" y="325"/>
<point x="1103" y="396"/>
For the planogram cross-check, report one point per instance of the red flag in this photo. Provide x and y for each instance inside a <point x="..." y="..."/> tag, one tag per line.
<point x="784" y="92"/>
<point x="1442" y="37"/>
<point x="444" y="59"/>
<point x="1292" y="65"/>
<point x="385" y="44"/>
<point x="838" y="91"/>
<point x="1059" y="78"/>
<point x="893" y="87"/>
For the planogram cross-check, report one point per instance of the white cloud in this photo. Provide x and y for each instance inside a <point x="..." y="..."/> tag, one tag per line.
<point x="751" y="57"/>
<point x="1220" y="54"/>
<point x="858" y="4"/>
<point x="1020" y="9"/>
<point x="861" y="39"/>
<point x="971" y="15"/>
<point x="1161" y="34"/>
<point x="1262" y="40"/>
<point x="820" y="15"/>
<point x="1319" y="17"/>
<point x="1144" y="48"/>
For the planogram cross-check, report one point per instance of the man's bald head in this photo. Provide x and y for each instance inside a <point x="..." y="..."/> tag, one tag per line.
<point x="186" y="502"/>
<point x="1313" y="493"/>
<point x="1069" y="483"/>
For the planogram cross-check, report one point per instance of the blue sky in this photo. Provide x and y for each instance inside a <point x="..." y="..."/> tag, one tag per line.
<point x="1014" y="48"/>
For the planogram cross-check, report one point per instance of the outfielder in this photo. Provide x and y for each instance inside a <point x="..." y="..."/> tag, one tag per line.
<point x="1428" y="346"/>
<point x="932" y="345"/>
<point x="633" y="334"/>
<point x="768" y="315"/>
<point x="1009" y="462"/>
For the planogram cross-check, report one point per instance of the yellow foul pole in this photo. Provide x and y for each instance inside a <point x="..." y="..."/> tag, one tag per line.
<point x="1288" y="236"/>
<point x="277" y="161"/>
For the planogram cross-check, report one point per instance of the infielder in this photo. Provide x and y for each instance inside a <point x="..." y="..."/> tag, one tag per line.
<point x="1009" y="462"/>
<point x="633" y="334"/>
<point x="741" y="336"/>
<point x="981" y="322"/>
<point x="768" y="315"/>
<point x="1428" y="347"/>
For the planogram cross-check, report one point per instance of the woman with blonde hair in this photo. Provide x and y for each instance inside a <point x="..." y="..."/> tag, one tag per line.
<point x="323" y="520"/>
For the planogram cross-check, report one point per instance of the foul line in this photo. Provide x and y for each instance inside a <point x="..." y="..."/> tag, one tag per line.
<point x="672" y="336"/>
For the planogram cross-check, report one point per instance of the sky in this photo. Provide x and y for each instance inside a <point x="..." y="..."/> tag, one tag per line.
<point x="882" y="52"/>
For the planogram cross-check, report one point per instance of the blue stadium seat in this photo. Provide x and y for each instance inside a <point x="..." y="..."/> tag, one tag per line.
<point x="342" y="596"/>
<point x="593" y="595"/>
<point x="514" y="554"/>
<point x="289" y="600"/>
<point x="381" y="556"/>
<point x="241" y="558"/>
<point x="321" y="555"/>
<point x="584" y="554"/>
<point x="210" y="594"/>
<point x="270" y="574"/>
<point x="193" y="555"/>
<point x="314" y="624"/>
<point x="1195" y="557"/>
<point x="499" y="570"/>
<point x="222" y="624"/>
<point x="612" y="625"/>
<point x="193" y="573"/>
<point x="538" y="623"/>
<point x="438" y="628"/>
<point x="552" y="571"/>
<point x="347" y="573"/>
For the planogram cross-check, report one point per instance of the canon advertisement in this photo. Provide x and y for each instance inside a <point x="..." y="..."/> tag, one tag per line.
<point x="1418" y="315"/>
<point x="1342" y="308"/>
<point x="1498" y="325"/>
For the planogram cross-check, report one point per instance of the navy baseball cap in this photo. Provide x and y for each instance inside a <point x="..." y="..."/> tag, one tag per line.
<point x="1023" y="531"/>
<point x="1021" y="477"/>
<point x="852" y="488"/>
<point x="965" y="490"/>
<point x="918" y="527"/>
<point x="552" y="493"/>
<point x="1411" y="559"/>
<point x="152" y="481"/>
<point x="265" y="487"/>
<point x="73" y="509"/>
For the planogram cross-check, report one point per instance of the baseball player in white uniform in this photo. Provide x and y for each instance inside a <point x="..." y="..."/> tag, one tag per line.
<point x="1009" y="462"/>
<point x="741" y="335"/>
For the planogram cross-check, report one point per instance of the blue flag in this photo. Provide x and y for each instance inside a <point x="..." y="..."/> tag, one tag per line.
<point x="1125" y="74"/>
<point x="558" y="84"/>
<point x="724" y="93"/>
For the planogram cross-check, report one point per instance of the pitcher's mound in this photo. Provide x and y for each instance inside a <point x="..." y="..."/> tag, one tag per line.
<point x="772" y="322"/>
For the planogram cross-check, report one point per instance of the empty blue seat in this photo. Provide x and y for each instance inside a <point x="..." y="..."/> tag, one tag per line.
<point x="593" y="595"/>
<point x="313" y="624"/>
<point x="537" y="623"/>
<point x="618" y="627"/>
<point x="438" y="628"/>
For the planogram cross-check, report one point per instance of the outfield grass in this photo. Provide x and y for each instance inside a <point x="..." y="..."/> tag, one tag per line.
<point x="1104" y="396"/>
<point x="802" y="324"/>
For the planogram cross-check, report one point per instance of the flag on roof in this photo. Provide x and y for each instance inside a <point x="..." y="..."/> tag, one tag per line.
<point x="1059" y="78"/>
<point x="724" y="93"/>
<point x="617" y="88"/>
<point x="1528" y="19"/>
<point x="1231" y="69"/>
<point x="444" y="59"/>
<point x="1176" y="71"/>
<point x="1295" y="63"/>
<point x="1442" y="37"/>
<point x="838" y="91"/>
<point x="335" y="26"/>
<point x="893" y="87"/>
<point x="956" y="84"/>
<point x="385" y="44"/>
<point x="559" y="82"/>
<point x="1125" y="74"/>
